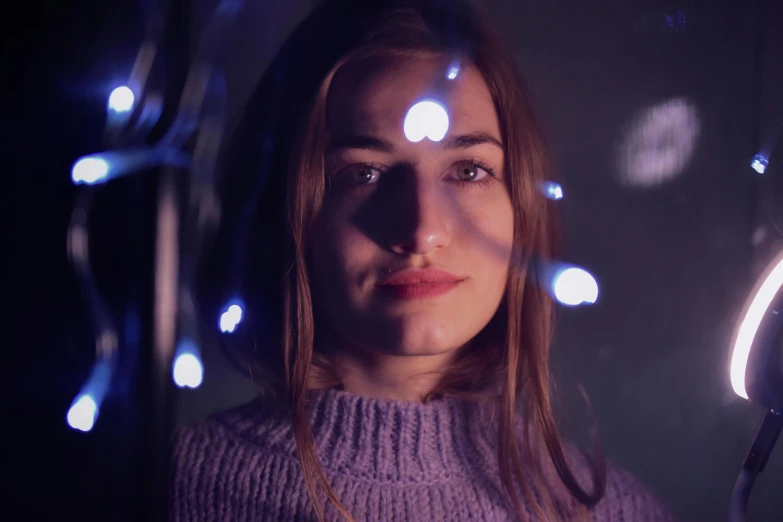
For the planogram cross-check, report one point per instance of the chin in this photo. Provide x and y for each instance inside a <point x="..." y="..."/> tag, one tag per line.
<point x="420" y="341"/>
<point x="418" y="350"/>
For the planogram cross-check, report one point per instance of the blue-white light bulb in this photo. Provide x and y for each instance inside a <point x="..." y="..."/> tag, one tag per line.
<point x="83" y="413"/>
<point x="84" y="410"/>
<point x="552" y="190"/>
<point x="759" y="163"/>
<point x="187" y="369"/>
<point x="426" y="119"/>
<point x="574" y="286"/>
<point x="121" y="99"/>
<point x="105" y="166"/>
<point x="453" y="70"/>
<point x="231" y="317"/>
<point x="89" y="170"/>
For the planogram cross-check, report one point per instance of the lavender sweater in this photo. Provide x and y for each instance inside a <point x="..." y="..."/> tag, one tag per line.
<point x="386" y="460"/>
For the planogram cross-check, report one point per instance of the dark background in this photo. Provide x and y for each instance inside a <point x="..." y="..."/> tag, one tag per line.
<point x="675" y="259"/>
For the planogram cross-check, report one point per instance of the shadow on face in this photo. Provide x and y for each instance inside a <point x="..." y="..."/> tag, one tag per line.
<point x="394" y="205"/>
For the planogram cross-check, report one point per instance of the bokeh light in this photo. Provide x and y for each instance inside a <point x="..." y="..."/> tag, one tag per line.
<point x="121" y="99"/>
<point x="426" y="119"/>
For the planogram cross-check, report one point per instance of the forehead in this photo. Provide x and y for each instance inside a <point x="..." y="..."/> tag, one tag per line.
<point x="373" y="97"/>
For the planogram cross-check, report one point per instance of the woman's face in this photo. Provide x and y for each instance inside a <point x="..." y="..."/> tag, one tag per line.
<point x="395" y="207"/>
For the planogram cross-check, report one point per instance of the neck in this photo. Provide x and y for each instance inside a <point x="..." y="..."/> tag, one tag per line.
<point x="407" y="378"/>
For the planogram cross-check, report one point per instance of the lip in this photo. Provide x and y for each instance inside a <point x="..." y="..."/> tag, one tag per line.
<point x="420" y="283"/>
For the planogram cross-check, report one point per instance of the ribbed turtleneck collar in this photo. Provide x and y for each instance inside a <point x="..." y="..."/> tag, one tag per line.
<point x="381" y="439"/>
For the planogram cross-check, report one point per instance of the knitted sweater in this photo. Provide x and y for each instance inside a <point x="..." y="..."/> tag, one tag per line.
<point x="386" y="460"/>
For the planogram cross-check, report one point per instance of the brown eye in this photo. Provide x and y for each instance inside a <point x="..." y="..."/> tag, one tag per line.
<point x="469" y="171"/>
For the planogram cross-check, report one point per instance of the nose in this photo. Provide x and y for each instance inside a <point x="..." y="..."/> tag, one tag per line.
<point x="420" y="221"/>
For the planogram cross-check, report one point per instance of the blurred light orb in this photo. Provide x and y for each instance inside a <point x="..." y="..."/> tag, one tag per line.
<point x="552" y="190"/>
<point x="426" y="119"/>
<point x="83" y="413"/>
<point x="121" y="99"/>
<point x="89" y="170"/>
<point x="659" y="144"/>
<point x="452" y="72"/>
<point x="759" y="163"/>
<point x="574" y="286"/>
<point x="230" y="318"/>
<point x="188" y="371"/>
<point x="84" y="410"/>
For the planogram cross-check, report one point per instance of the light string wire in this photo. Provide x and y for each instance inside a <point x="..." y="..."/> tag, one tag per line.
<point x="202" y="112"/>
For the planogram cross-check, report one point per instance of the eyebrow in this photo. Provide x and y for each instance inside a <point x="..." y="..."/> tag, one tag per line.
<point x="362" y="141"/>
<point x="367" y="142"/>
<point x="466" y="141"/>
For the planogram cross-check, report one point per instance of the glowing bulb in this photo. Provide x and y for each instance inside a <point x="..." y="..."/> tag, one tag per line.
<point x="552" y="190"/>
<point x="759" y="163"/>
<point x="231" y="318"/>
<point x="426" y="119"/>
<point x="85" y="408"/>
<point x="452" y="72"/>
<point x="187" y="370"/>
<point x="750" y="325"/>
<point x="574" y="286"/>
<point x="82" y="413"/>
<point x="108" y="165"/>
<point x="121" y="99"/>
<point x="89" y="170"/>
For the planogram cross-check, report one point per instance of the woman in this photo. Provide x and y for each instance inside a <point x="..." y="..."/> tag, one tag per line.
<point x="404" y="348"/>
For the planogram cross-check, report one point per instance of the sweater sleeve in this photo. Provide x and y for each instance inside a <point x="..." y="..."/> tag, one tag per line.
<point x="627" y="499"/>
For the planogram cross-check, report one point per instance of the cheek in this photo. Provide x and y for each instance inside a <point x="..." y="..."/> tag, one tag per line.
<point x="342" y="240"/>
<point x="339" y="252"/>
<point x="490" y="231"/>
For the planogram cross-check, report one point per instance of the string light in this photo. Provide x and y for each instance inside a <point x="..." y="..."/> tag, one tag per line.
<point x="759" y="163"/>
<point x="86" y="407"/>
<point x="453" y="71"/>
<point x="100" y="168"/>
<point x="121" y="99"/>
<point x="83" y="413"/>
<point x="426" y="119"/>
<point x="90" y="170"/>
<point x="551" y="190"/>
<point x="187" y="370"/>
<point x="574" y="286"/>
<point x="231" y="316"/>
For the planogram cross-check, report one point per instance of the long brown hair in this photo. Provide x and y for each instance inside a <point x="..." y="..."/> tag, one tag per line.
<point x="288" y="164"/>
